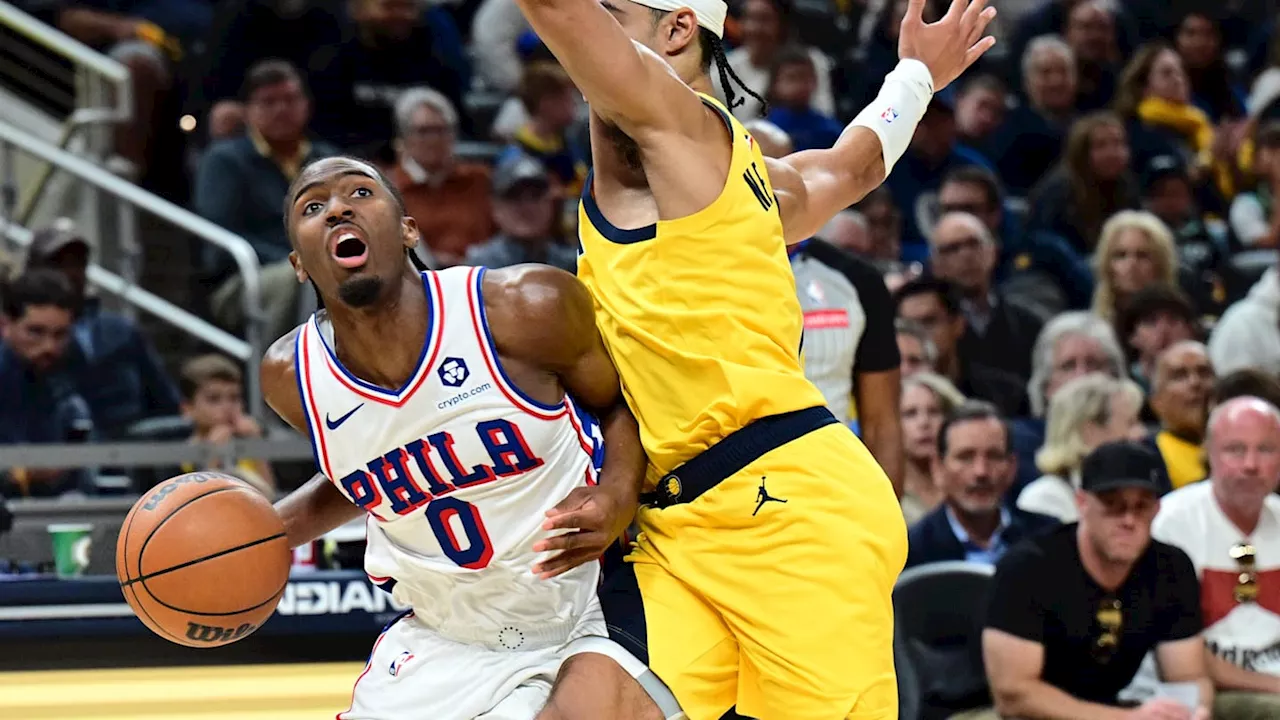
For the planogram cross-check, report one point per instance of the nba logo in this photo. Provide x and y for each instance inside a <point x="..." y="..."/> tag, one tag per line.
<point x="453" y="372"/>
<point x="398" y="664"/>
<point x="889" y="115"/>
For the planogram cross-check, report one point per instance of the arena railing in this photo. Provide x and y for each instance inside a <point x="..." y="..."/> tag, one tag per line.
<point x="101" y="97"/>
<point x="250" y="349"/>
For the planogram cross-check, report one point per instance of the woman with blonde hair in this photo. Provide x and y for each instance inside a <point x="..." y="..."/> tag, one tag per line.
<point x="1087" y="412"/>
<point x="927" y="398"/>
<point x="1134" y="250"/>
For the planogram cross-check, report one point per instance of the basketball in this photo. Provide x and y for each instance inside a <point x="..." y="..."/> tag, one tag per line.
<point x="203" y="559"/>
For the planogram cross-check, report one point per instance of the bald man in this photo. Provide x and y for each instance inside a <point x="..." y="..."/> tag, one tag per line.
<point x="1230" y="528"/>
<point x="1180" y="390"/>
<point x="998" y="334"/>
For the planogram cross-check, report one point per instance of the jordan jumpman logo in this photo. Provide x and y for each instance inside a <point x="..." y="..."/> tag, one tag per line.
<point x="763" y="497"/>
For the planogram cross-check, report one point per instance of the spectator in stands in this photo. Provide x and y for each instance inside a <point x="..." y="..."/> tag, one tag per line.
<point x="1248" y="335"/>
<point x="550" y="100"/>
<point x="927" y="398"/>
<point x="389" y="47"/>
<point x="790" y="94"/>
<point x="973" y="469"/>
<point x="1084" y="414"/>
<point x="980" y="111"/>
<point x="916" y="178"/>
<point x="1254" y="219"/>
<point x="884" y="224"/>
<point x="1213" y="86"/>
<point x="148" y="39"/>
<point x="766" y="30"/>
<point x="997" y="333"/>
<point x="113" y="363"/>
<point x="1155" y="318"/>
<point x="241" y="183"/>
<point x="1230" y="528"/>
<point x="446" y="196"/>
<point x="915" y="347"/>
<point x="1071" y="345"/>
<point x="496" y="31"/>
<point x="850" y="352"/>
<point x="1202" y="245"/>
<point x="213" y="401"/>
<point x="1028" y="140"/>
<point x="1249" y="382"/>
<point x="1180" y="390"/>
<point x="848" y="231"/>
<point x="1154" y="97"/>
<point x="1092" y="32"/>
<point x="1073" y="612"/>
<point x="524" y="213"/>
<point x="1134" y="251"/>
<point x="936" y="305"/>
<point x="40" y="402"/>
<point x="1090" y="184"/>
<point x="1036" y="269"/>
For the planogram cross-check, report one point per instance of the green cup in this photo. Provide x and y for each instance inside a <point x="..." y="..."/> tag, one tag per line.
<point x="71" y="545"/>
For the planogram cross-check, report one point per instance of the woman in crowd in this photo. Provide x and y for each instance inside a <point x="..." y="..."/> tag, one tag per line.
<point x="926" y="400"/>
<point x="1091" y="184"/>
<point x="1213" y="85"/>
<point x="1154" y="97"/>
<point x="1135" y="250"/>
<point x="1087" y="412"/>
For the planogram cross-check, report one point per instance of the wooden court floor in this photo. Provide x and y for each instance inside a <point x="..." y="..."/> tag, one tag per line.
<point x="240" y="692"/>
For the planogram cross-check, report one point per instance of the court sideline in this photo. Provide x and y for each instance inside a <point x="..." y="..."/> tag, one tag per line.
<point x="240" y="692"/>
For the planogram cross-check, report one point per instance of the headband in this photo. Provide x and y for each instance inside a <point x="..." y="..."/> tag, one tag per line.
<point x="710" y="13"/>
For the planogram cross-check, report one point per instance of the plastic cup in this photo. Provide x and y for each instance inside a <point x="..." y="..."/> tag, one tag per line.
<point x="71" y="544"/>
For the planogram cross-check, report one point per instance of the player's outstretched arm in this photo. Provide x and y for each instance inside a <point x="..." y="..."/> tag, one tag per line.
<point x="812" y="186"/>
<point x="317" y="507"/>
<point x="625" y="82"/>
<point x="548" y="320"/>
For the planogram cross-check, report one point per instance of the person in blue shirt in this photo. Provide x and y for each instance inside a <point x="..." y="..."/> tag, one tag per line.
<point x="974" y="468"/>
<point x="39" y="402"/>
<point x="115" y="366"/>
<point x="792" y="83"/>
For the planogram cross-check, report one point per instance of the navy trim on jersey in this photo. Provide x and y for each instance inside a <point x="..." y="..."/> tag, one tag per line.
<point x="623" y="236"/>
<point x="303" y="397"/>
<point x="612" y="232"/>
<point x="493" y="350"/>
<point x="422" y="356"/>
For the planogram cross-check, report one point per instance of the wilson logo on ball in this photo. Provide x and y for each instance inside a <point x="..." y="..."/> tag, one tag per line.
<point x="207" y="634"/>
<point x="174" y="484"/>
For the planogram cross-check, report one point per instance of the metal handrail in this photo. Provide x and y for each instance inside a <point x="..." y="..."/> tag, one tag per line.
<point x="241" y="251"/>
<point x="110" y="282"/>
<point x="74" y="50"/>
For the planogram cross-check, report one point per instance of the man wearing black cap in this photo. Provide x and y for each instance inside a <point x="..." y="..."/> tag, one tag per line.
<point x="114" y="365"/>
<point x="1074" y="612"/>
<point x="524" y="210"/>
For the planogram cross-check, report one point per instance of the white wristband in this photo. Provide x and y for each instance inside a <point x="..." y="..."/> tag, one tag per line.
<point x="896" y="111"/>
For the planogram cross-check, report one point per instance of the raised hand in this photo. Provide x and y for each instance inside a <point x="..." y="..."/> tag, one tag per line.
<point x="947" y="47"/>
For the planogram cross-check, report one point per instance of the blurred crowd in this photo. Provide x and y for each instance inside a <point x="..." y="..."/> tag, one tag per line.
<point x="1056" y="325"/>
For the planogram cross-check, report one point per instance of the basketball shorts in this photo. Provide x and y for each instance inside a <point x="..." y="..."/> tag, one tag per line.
<point x="771" y="591"/>
<point x="414" y="672"/>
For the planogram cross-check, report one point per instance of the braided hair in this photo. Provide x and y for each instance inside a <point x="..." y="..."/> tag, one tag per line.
<point x="716" y="47"/>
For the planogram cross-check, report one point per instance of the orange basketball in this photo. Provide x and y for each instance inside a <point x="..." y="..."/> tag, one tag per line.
<point x="203" y="559"/>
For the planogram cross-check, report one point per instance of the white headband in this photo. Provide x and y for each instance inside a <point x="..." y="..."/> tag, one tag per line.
<point x="710" y="13"/>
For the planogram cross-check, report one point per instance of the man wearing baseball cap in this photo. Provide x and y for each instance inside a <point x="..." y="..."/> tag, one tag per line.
<point x="1074" y="612"/>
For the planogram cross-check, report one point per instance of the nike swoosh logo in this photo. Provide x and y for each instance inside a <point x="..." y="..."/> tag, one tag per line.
<point x="334" y="424"/>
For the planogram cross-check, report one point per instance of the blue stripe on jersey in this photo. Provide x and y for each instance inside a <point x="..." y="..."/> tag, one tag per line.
<point x="422" y="356"/>
<point x="493" y="350"/>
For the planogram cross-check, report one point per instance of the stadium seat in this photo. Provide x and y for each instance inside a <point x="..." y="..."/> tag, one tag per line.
<point x="938" y="612"/>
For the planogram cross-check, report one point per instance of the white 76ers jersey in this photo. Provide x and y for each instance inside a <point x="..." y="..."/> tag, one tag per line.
<point x="456" y="471"/>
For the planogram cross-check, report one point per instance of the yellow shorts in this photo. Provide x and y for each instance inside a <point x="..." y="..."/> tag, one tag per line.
<point x="777" y="603"/>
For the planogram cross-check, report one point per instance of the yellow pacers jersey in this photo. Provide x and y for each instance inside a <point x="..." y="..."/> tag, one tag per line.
<point x="700" y="313"/>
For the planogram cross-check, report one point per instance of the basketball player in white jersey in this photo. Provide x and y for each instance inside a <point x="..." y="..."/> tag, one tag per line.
<point x="438" y="404"/>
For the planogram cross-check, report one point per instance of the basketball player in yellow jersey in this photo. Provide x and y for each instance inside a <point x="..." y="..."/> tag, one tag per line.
<point x="771" y="539"/>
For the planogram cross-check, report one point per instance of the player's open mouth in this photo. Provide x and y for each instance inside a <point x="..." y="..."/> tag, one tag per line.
<point x="349" y="250"/>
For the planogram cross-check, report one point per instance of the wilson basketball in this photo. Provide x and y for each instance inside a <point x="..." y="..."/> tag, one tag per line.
<point x="203" y="559"/>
